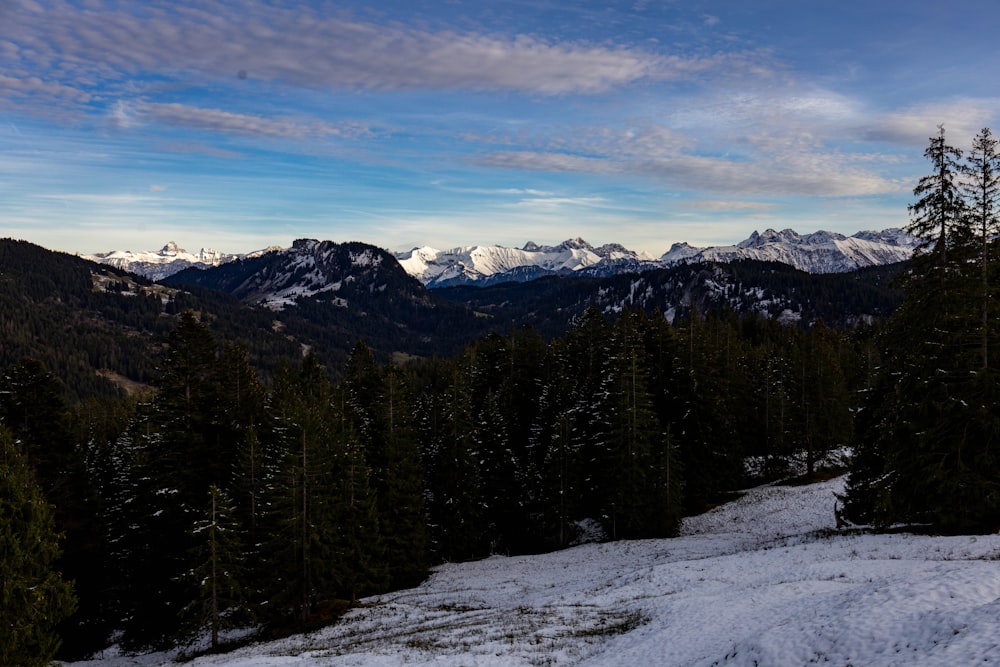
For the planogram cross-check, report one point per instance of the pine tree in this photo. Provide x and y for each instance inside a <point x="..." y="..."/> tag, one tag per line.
<point x="982" y="194"/>
<point x="402" y="516"/>
<point x="217" y="572"/>
<point x="930" y="453"/>
<point x="33" y="406"/>
<point x="378" y="408"/>
<point x="33" y="596"/>
<point x="176" y="456"/>
<point x="638" y="502"/>
<point x="300" y="521"/>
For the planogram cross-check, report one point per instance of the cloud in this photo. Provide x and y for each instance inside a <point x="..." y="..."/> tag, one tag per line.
<point x="962" y="119"/>
<point x="550" y="204"/>
<point x="187" y="147"/>
<point x="784" y="169"/>
<point x="114" y="39"/>
<point x="547" y="161"/>
<point x="218" y="120"/>
<point x="729" y="205"/>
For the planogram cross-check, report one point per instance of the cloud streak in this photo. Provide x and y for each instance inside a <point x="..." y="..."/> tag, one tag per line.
<point x="218" y="120"/>
<point x="301" y="46"/>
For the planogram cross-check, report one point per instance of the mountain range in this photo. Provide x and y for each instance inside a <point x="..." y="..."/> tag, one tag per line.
<point x="168" y="260"/>
<point x="819" y="252"/>
<point x="97" y="324"/>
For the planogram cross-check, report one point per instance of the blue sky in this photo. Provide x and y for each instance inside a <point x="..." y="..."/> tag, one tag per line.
<point x="239" y="125"/>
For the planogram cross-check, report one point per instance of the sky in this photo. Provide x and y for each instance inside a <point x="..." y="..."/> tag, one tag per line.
<point x="238" y="125"/>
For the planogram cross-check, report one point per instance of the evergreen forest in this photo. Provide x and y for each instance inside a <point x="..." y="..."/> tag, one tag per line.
<point x="253" y="484"/>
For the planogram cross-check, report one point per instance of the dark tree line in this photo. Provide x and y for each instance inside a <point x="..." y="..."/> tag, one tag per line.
<point x="929" y="432"/>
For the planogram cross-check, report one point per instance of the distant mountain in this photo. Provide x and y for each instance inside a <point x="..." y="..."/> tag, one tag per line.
<point x="334" y="293"/>
<point x="100" y="329"/>
<point x="820" y="252"/>
<point x="491" y="264"/>
<point x="168" y="260"/>
<point x="342" y="274"/>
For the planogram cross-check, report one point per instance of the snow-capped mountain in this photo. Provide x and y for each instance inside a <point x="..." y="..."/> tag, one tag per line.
<point x="168" y="260"/>
<point x="335" y="272"/>
<point x="488" y="264"/>
<point x="820" y="252"/>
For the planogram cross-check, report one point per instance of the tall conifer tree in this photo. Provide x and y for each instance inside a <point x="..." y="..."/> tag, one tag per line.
<point x="33" y="595"/>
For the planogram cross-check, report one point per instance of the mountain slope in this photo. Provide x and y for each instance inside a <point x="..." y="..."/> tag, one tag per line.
<point x="748" y="286"/>
<point x="334" y="293"/>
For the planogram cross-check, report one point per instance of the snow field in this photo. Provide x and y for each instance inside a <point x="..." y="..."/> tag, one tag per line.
<point x="764" y="580"/>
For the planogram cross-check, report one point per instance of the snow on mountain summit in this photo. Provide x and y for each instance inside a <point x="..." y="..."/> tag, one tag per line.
<point x="819" y="252"/>
<point x="438" y="268"/>
<point x="168" y="260"/>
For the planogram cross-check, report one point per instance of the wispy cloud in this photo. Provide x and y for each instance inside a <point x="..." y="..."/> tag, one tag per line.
<point x="730" y="205"/>
<point x="761" y="166"/>
<point x="550" y="203"/>
<point x="962" y="118"/>
<point x="218" y="120"/>
<point x="548" y="161"/>
<point x="113" y="39"/>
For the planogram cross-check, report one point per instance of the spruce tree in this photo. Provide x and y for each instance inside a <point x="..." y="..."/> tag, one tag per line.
<point x="378" y="407"/>
<point x="33" y="406"/>
<point x="33" y="595"/>
<point x="982" y="193"/>
<point x="930" y="454"/>
<point x="638" y="502"/>
<point x="450" y="457"/>
<point x="300" y="521"/>
<point x="358" y="564"/>
<point x="217" y="572"/>
<point x="402" y="515"/>
<point x="176" y="456"/>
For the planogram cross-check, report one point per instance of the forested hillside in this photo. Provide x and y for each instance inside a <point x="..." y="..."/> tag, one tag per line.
<point x="776" y="290"/>
<point x="302" y="494"/>
<point x="98" y="328"/>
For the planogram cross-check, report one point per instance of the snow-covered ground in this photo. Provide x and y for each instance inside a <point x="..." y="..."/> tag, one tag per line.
<point x="764" y="580"/>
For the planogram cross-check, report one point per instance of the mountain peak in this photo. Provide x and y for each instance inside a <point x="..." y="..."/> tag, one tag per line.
<point x="577" y="244"/>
